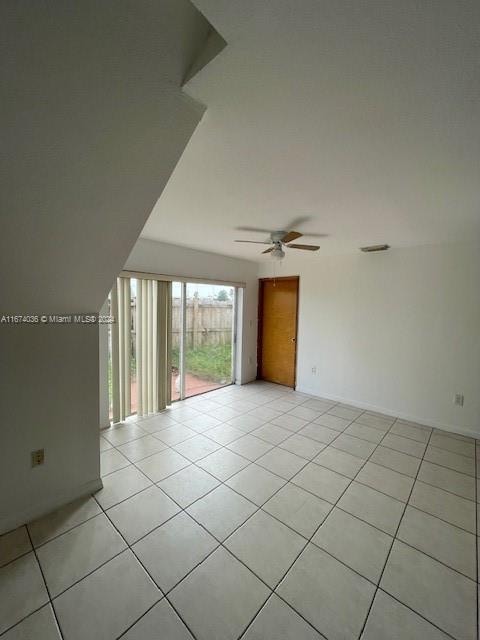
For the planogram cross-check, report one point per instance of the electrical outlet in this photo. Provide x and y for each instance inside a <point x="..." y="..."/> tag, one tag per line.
<point x="458" y="399"/>
<point x="314" y="371"/>
<point x="38" y="457"/>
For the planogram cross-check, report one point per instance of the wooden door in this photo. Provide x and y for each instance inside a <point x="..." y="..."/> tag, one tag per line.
<point x="277" y="336"/>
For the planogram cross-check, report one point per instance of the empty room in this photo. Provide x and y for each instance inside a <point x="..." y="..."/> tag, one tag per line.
<point x="240" y="320"/>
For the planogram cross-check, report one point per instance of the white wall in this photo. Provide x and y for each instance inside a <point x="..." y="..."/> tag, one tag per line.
<point x="50" y="380"/>
<point x="93" y="121"/>
<point x="398" y="332"/>
<point x="173" y="260"/>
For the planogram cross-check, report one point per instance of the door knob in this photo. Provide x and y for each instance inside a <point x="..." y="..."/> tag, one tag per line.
<point x="292" y="339"/>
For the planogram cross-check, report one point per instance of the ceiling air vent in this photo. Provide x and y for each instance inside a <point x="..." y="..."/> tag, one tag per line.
<point x="375" y="247"/>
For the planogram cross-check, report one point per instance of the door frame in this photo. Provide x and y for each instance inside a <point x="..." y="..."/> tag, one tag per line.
<point x="261" y="283"/>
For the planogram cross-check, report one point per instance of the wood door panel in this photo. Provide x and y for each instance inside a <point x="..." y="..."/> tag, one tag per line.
<point x="278" y="330"/>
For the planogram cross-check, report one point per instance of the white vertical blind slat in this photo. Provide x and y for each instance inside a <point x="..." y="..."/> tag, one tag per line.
<point x="163" y="341"/>
<point x="168" y="358"/>
<point x="160" y="346"/>
<point x="138" y="346"/>
<point x="126" y="346"/>
<point x="121" y="344"/>
<point x="150" y="355"/>
<point x="152" y="346"/>
<point x="143" y="390"/>
<point x="115" y="356"/>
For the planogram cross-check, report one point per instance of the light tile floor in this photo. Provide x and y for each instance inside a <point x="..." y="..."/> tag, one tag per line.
<point x="261" y="513"/>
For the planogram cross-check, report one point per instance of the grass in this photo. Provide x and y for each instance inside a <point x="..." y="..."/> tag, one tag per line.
<point x="210" y="362"/>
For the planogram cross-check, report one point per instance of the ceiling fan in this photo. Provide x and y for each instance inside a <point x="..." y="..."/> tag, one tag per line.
<point x="281" y="239"/>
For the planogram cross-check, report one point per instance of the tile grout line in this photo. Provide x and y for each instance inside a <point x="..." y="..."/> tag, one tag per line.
<point x="194" y="463"/>
<point x="224" y="422"/>
<point x="407" y="544"/>
<point x="286" y="482"/>
<point x="417" y="613"/>
<point x="309" y="540"/>
<point x="353" y="570"/>
<point x="130" y="626"/>
<point x="163" y="595"/>
<point x="293" y="433"/>
<point x="46" y="586"/>
<point x="50" y="600"/>
<point x="476" y="537"/>
<point x="332" y="505"/>
<point x="270" y="421"/>
<point x="458" y="495"/>
<point x="297" y="432"/>
<point x="454" y="453"/>
<point x="223" y="482"/>
<point x="33" y="549"/>
<point x="29" y="615"/>
<point x="442" y="466"/>
<point x="220" y="542"/>
<point x="391" y="546"/>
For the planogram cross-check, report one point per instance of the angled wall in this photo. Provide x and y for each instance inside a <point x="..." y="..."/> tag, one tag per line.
<point x="93" y="122"/>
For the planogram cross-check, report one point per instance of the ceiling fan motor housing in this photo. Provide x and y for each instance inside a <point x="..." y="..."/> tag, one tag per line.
<point x="277" y="236"/>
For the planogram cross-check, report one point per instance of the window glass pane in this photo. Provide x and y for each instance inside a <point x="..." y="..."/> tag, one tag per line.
<point x="208" y="339"/>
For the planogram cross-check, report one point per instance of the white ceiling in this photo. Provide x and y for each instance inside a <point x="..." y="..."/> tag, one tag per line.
<point x="362" y="115"/>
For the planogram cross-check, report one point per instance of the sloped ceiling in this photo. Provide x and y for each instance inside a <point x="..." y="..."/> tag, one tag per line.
<point x="363" y="117"/>
<point x="94" y="120"/>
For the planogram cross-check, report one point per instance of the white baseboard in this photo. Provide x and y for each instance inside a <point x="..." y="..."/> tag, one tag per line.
<point x="14" y="520"/>
<point x="395" y="414"/>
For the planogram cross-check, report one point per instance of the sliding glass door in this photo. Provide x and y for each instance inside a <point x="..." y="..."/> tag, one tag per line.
<point x="203" y="331"/>
<point x="169" y="341"/>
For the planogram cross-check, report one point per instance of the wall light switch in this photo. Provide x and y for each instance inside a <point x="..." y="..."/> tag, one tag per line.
<point x="314" y="371"/>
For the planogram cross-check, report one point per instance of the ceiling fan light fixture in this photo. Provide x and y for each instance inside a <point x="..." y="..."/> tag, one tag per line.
<point x="278" y="253"/>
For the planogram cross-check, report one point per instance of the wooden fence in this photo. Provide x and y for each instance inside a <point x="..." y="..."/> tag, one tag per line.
<point x="208" y="322"/>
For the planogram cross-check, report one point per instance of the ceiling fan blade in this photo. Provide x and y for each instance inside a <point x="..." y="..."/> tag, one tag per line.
<point x="253" y="241"/>
<point x="305" y="247"/>
<point x="268" y="250"/>
<point x="253" y="229"/>
<point x="299" y="221"/>
<point x="291" y="235"/>
<point x="315" y="235"/>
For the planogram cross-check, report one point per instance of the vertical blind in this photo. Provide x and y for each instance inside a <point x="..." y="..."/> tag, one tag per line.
<point x="152" y="346"/>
